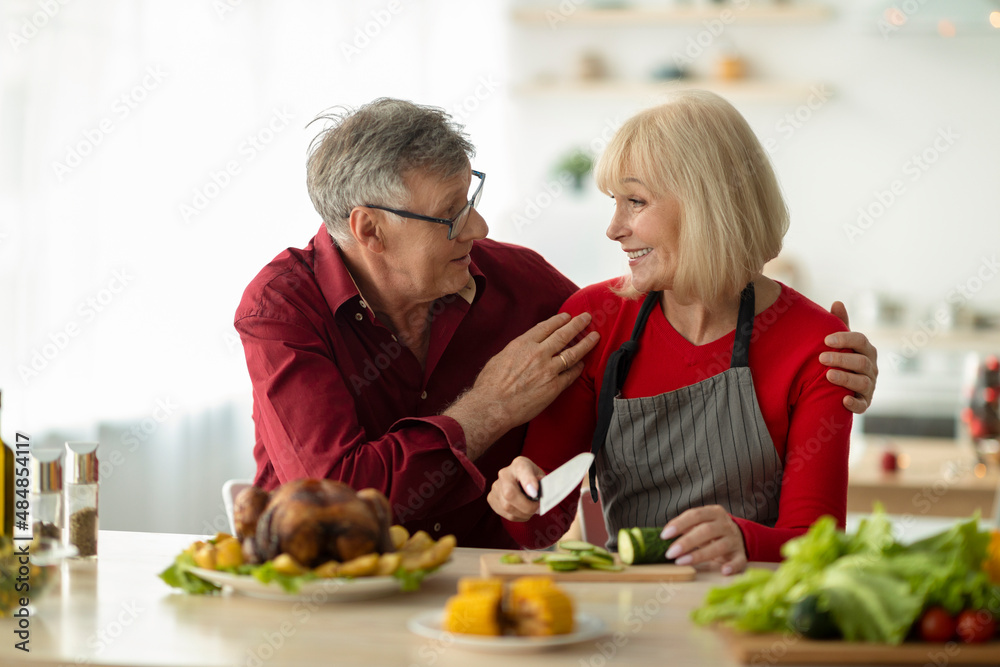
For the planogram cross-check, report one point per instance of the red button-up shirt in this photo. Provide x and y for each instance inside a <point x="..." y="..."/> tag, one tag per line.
<point x="336" y="396"/>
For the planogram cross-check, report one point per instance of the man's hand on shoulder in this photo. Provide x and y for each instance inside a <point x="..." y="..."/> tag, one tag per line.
<point x="522" y="380"/>
<point x="857" y="372"/>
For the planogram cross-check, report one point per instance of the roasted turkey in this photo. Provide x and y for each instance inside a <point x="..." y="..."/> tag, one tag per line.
<point x="313" y="521"/>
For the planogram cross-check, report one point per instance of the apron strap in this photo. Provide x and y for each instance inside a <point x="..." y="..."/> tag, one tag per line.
<point x="744" y="328"/>
<point x="614" y="379"/>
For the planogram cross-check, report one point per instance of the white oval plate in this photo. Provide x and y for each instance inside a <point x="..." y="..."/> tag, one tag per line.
<point x="428" y="624"/>
<point x="319" y="590"/>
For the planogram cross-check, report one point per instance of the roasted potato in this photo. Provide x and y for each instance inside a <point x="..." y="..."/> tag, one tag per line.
<point x="228" y="553"/>
<point x="285" y="564"/>
<point x="399" y="535"/>
<point x="419" y="541"/>
<point x="362" y="566"/>
<point x="327" y="570"/>
<point x="387" y="564"/>
<point x="437" y="554"/>
<point x="204" y="556"/>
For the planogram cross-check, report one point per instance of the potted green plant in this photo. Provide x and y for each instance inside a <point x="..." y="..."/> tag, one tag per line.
<point x="577" y="164"/>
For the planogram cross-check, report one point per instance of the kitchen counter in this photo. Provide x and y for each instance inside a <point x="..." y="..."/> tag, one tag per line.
<point x="937" y="477"/>
<point x="116" y="611"/>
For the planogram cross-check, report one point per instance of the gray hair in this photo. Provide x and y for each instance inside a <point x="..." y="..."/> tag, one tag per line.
<point x="362" y="155"/>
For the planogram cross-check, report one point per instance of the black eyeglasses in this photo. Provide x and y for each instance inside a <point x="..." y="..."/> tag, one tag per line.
<point x="456" y="224"/>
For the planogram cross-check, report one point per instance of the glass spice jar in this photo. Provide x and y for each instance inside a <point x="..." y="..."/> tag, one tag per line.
<point x="81" y="497"/>
<point x="46" y="498"/>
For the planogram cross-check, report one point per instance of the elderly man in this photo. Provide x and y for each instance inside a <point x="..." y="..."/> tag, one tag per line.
<point x="402" y="349"/>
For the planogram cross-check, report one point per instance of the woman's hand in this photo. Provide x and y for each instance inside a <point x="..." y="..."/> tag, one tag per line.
<point x="507" y="497"/>
<point x="707" y="534"/>
<point x="856" y="372"/>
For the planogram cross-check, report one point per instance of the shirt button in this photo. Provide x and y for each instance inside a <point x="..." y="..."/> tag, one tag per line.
<point x="423" y="394"/>
<point x="437" y="528"/>
<point x="363" y="304"/>
<point x="359" y="317"/>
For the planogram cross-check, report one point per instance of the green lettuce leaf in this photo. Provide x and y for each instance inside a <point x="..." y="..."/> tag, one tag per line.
<point x="874" y="586"/>
<point x="266" y="573"/>
<point x="410" y="581"/>
<point x="868" y="600"/>
<point x="178" y="575"/>
<point x="729" y="602"/>
<point x="873" y="537"/>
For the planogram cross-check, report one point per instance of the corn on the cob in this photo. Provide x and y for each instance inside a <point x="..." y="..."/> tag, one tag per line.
<point x="473" y="614"/>
<point x="478" y="585"/>
<point x="539" y="607"/>
<point x="530" y="584"/>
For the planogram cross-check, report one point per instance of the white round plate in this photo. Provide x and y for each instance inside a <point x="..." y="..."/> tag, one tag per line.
<point x="428" y="624"/>
<point x="318" y="590"/>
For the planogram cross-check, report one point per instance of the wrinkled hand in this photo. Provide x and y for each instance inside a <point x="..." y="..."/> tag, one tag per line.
<point x="857" y="372"/>
<point x="707" y="534"/>
<point x="507" y="498"/>
<point x="534" y="368"/>
<point x="521" y="380"/>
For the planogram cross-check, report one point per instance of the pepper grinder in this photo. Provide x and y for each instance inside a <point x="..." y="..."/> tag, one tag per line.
<point x="47" y="494"/>
<point x="81" y="497"/>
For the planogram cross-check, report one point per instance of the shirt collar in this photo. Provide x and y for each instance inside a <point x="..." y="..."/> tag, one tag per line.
<point x="338" y="284"/>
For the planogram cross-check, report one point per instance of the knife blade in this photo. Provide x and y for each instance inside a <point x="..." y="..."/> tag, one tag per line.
<point x="560" y="482"/>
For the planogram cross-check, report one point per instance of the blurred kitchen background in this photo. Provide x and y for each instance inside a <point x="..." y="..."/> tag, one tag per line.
<point x="152" y="161"/>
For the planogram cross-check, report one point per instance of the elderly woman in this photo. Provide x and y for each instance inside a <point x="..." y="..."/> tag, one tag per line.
<point x="705" y="399"/>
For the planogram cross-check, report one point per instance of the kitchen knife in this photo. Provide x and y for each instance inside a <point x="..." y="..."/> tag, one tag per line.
<point x="560" y="482"/>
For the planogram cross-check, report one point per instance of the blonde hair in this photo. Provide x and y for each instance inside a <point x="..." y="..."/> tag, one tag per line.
<point x="699" y="149"/>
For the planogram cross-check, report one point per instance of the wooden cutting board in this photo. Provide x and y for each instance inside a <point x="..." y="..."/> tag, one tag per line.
<point x="490" y="566"/>
<point x="775" y="649"/>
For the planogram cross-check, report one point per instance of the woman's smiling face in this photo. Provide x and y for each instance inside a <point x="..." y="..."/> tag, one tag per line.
<point x="648" y="229"/>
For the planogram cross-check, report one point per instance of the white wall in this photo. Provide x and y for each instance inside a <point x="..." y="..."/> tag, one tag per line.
<point x="167" y="335"/>
<point x="892" y="96"/>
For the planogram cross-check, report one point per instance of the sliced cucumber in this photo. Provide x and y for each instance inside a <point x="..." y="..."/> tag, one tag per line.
<point x="562" y="562"/>
<point x="626" y="546"/>
<point x="564" y="566"/>
<point x="637" y="546"/>
<point x="639" y="542"/>
<point x="511" y="559"/>
<point x="607" y="565"/>
<point x="577" y="546"/>
<point x="561" y="558"/>
<point x="593" y="559"/>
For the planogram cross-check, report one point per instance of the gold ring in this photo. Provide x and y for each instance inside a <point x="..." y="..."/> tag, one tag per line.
<point x="565" y="363"/>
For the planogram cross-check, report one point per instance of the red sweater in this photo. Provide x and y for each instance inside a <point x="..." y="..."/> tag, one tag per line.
<point x="805" y="415"/>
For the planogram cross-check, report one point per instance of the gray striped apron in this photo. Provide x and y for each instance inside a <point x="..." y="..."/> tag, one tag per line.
<point x="705" y="444"/>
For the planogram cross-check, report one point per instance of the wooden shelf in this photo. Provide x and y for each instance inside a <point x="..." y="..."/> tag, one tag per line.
<point x="751" y="90"/>
<point x="777" y="15"/>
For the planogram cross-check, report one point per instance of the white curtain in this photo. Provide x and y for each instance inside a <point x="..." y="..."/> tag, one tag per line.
<point x="151" y="162"/>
